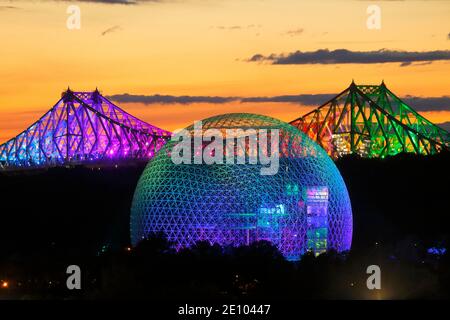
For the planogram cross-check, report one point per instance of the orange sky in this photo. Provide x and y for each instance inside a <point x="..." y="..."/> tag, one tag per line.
<point x="197" y="47"/>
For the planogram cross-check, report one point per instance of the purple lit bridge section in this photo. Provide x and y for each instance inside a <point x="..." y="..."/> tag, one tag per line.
<point x="83" y="128"/>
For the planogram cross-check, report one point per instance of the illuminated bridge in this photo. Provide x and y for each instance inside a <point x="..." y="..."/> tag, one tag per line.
<point x="373" y="122"/>
<point x="86" y="128"/>
<point x="83" y="128"/>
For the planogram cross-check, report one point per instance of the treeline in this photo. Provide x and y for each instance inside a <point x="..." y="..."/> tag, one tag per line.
<point x="154" y="270"/>
<point x="56" y="217"/>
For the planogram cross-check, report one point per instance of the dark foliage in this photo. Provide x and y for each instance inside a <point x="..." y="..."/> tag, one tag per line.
<point x="53" y="218"/>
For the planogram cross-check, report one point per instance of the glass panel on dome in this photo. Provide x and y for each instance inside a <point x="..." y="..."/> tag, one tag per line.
<point x="316" y="199"/>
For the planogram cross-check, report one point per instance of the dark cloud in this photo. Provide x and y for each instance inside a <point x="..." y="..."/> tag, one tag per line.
<point x="420" y="104"/>
<point x="257" y="57"/>
<point x="409" y="63"/>
<point x="428" y="103"/>
<point x="417" y="103"/>
<point x="167" y="99"/>
<point x="444" y="125"/>
<point x="448" y="36"/>
<point x="304" y="99"/>
<point x="301" y="99"/>
<point x="344" y="56"/>
<point x="112" y="2"/>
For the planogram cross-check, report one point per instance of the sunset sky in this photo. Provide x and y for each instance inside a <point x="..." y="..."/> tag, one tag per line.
<point x="218" y="52"/>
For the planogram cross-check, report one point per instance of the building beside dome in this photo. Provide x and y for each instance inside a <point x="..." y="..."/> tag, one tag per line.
<point x="303" y="207"/>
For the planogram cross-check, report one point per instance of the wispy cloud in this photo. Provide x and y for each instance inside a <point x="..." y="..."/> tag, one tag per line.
<point x="344" y="56"/>
<point x="237" y="27"/>
<point x="229" y="27"/>
<point x="111" y="30"/>
<point x="294" y="32"/>
<point x="122" y="2"/>
<point x="8" y="8"/>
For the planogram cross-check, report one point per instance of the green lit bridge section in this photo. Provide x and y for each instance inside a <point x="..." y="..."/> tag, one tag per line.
<point x="373" y="122"/>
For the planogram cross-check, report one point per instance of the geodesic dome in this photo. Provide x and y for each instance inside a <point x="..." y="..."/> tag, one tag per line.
<point x="304" y="206"/>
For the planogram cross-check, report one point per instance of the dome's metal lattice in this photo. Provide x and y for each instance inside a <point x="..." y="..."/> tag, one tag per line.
<point x="305" y="206"/>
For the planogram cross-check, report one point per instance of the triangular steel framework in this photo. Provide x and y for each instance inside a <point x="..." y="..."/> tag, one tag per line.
<point x="371" y="121"/>
<point x="82" y="128"/>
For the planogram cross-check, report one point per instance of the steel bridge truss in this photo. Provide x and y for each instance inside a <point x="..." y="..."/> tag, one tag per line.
<point x="83" y="127"/>
<point x="373" y="122"/>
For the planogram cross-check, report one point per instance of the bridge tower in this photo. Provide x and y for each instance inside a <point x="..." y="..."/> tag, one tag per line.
<point x="371" y="121"/>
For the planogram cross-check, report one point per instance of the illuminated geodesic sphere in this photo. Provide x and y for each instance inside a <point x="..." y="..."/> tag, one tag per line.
<point x="304" y="206"/>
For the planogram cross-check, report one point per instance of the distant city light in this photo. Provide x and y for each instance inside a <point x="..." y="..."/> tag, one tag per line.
<point x="437" y="251"/>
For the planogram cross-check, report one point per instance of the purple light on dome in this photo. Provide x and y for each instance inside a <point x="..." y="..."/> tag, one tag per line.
<point x="437" y="251"/>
